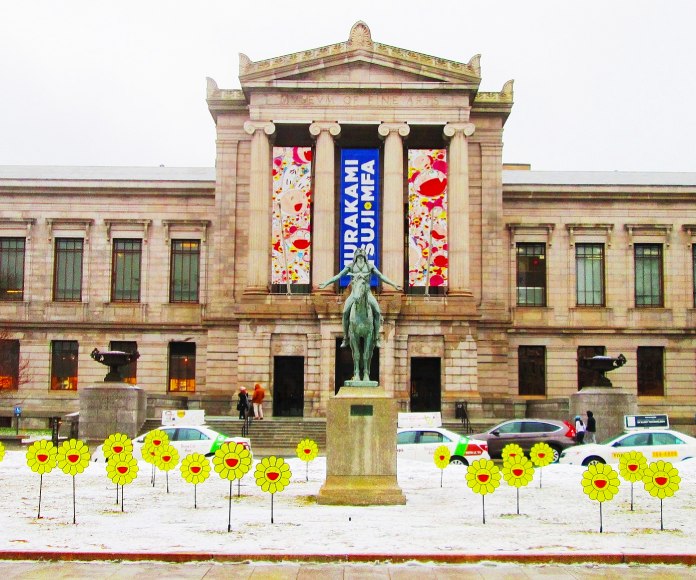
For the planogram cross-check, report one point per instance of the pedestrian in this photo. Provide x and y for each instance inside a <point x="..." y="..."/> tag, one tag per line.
<point x="579" y="430"/>
<point x="591" y="428"/>
<point x="257" y="399"/>
<point x="243" y="403"/>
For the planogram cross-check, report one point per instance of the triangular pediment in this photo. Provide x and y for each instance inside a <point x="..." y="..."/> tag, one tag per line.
<point x="359" y="60"/>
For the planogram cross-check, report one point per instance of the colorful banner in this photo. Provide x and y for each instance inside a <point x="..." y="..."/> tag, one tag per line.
<point x="359" y="207"/>
<point x="427" y="217"/>
<point x="291" y="218"/>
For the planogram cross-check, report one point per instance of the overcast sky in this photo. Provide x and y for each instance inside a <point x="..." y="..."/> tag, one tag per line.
<point x="599" y="85"/>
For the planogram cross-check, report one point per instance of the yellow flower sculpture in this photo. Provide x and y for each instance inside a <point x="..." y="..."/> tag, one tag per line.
<point x="272" y="474"/>
<point x="117" y="443"/>
<point x="73" y="457"/>
<point x="661" y="479"/>
<point x="232" y="461"/>
<point x="41" y="456"/>
<point x="307" y="450"/>
<point x="541" y="454"/>
<point x="600" y="482"/>
<point x="518" y="471"/>
<point x="167" y="457"/>
<point x="442" y="456"/>
<point x="2" y="451"/>
<point x="483" y="476"/>
<point x="632" y="465"/>
<point x="195" y="468"/>
<point x="122" y="468"/>
<point x="150" y="453"/>
<point x="157" y="437"/>
<point x="511" y="450"/>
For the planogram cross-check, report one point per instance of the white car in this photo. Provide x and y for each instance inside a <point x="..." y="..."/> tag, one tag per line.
<point x="186" y="439"/>
<point x="420" y="443"/>
<point x="653" y="443"/>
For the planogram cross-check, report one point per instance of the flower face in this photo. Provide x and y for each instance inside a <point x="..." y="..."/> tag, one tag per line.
<point x="122" y="468"/>
<point x="442" y="456"/>
<point x="511" y="450"/>
<point x="167" y="457"/>
<point x="41" y="456"/>
<point x="117" y="443"/>
<point x="541" y="454"/>
<point x="232" y="461"/>
<point x="661" y="479"/>
<point x="632" y="465"/>
<point x="483" y="476"/>
<point x="600" y="482"/>
<point x="73" y="457"/>
<point x="272" y="474"/>
<point x="195" y="468"/>
<point x="518" y="471"/>
<point x="307" y="450"/>
<point x="157" y="438"/>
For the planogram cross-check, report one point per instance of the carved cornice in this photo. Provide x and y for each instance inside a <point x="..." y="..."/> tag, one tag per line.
<point x="543" y="229"/>
<point x="506" y="95"/>
<point x="360" y="39"/>
<point x="588" y="228"/>
<point x="664" y="231"/>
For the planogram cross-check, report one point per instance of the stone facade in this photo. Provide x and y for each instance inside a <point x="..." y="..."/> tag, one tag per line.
<point x="346" y="95"/>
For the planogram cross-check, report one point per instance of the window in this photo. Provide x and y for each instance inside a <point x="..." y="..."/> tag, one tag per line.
<point x="9" y="365"/>
<point x="128" y="372"/>
<point x="183" y="286"/>
<point x="12" y="268"/>
<point x="532" y="370"/>
<point x="589" y="273"/>
<point x="635" y="440"/>
<point x="182" y="366"/>
<point x="531" y="274"/>
<point x="651" y="375"/>
<point x="511" y="427"/>
<point x="539" y="427"/>
<point x="648" y="264"/>
<point x="185" y="434"/>
<point x="406" y="437"/>
<point x="125" y="271"/>
<point x="67" y="275"/>
<point x="666" y="439"/>
<point x="588" y="377"/>
<point x="64" y="365"/>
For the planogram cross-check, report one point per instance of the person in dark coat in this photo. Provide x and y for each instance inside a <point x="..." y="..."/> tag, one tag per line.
<point x="243" y="403"/>
<point x="591" y="428"/>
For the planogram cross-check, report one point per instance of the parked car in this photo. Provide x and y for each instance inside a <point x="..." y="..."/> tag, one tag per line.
<point x="420" y="443"/>
<point x="653" y="443"/>
<point x="186" y="439"/>
<point x="559" y="435"/>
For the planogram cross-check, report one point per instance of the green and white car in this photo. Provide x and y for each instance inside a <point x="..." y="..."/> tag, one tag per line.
<point x="420" y="443"/>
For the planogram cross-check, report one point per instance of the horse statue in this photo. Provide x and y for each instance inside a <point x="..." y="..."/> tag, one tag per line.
<point x="361" y="326"/>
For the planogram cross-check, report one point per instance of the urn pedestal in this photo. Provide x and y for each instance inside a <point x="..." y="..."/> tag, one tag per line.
<point x="608" y="404"/>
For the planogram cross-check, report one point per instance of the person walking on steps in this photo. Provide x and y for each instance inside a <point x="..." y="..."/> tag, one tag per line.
<point x="243" y="403"/>
<point x="257" y="400"/>
<point x="591" y="428"/>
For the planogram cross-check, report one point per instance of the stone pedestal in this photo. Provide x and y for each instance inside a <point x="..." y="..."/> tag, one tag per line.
<point x="609" y="406"/>
<point x="361" y="449"/>
<point x="113" y="407"/>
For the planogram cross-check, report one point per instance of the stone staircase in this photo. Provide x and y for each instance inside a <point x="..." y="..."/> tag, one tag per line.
<point x="280" y="435"/>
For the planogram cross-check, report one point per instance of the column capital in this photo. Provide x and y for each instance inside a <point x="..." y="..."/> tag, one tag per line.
<point x="451" y="129"/>
<point x="317" y="127"/>
<point x="266" y="126"/>
<point x="401" y="128"/>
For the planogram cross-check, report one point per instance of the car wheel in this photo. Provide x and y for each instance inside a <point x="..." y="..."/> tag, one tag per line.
<point x="556" y="454"/>
<point x="457" y="460"/>
<point x="592" y="460"/>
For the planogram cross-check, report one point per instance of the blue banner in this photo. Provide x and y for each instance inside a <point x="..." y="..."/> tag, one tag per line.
<point x="359" y="207"/>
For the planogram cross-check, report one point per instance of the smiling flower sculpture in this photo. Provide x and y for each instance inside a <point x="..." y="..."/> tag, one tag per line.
<point x="661" y="480"/>
<point x="122" y="468"/>
<point x="632" y="464"/>
<point x="441" y="456"/>
<point x="117" y="443"/>
<point x="307" y="450"/>
<point x="232" y="461"/>
<point x="167" y="458"/>
<point x="73" y="457"/>
<point x="272" y="474"/>
<point x="541" y="454"/>
<point x="41" y="456"/>
<point x="601" y="483"/>
<point x="195" y="469"/>
<point x="518" y="471"/>
<point x="511" y="450"/>
<point x="483" y="477"/>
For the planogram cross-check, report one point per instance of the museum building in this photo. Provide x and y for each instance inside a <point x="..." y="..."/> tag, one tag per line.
<point x="510" y="276"/>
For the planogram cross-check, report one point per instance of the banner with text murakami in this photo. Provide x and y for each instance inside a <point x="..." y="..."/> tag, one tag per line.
<point x="360" y="216"/>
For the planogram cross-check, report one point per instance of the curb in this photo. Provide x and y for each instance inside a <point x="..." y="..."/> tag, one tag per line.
<point x="182" y="557"/>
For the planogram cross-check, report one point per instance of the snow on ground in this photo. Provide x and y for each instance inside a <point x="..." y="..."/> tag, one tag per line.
<point x="556" y="518"/>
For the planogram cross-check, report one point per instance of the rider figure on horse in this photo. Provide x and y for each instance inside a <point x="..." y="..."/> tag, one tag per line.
<point x="361" y="266"/>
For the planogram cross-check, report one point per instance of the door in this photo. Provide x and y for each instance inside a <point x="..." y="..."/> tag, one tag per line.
<point x="425" y="384"/>
<point x="288" y="386"/>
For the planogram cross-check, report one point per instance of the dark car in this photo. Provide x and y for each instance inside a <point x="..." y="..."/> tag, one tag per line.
<point x="526" y="432"/>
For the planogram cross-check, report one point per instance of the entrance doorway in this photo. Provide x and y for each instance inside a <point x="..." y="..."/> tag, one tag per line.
<point x="288" y="386"/>
<point x="344" y="365"/>
<point x="425" y="384"/>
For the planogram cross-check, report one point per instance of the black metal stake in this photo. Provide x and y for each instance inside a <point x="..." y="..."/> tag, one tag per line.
<point x="229" y="510"/>
<point x="631" y="496"/>
<point x="442" y="471"/>
<point x="307" y="472"/>
<point x="239" y="488"/>
<point x="74" y="519"/>
<point x="483" y="503"/>
<point x="195" y="506"/>
<point x="661" y="525"/>
<point x="121" y="498"/>
<point x="601" y="525"/>
<point x="38" y="516"/>
<point x="518" y="501"/>
<point x="117" y="494"/>
<point x="272" y="507"/>
<point x="540" y="472"/>
<point x="167" y="476"/>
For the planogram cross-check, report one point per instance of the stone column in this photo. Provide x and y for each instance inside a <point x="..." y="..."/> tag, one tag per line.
<point x="259" y="233"/>
<point x="393" y="218"/>
<point x="458" y="207"/>
<point x="324" y="199"/>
